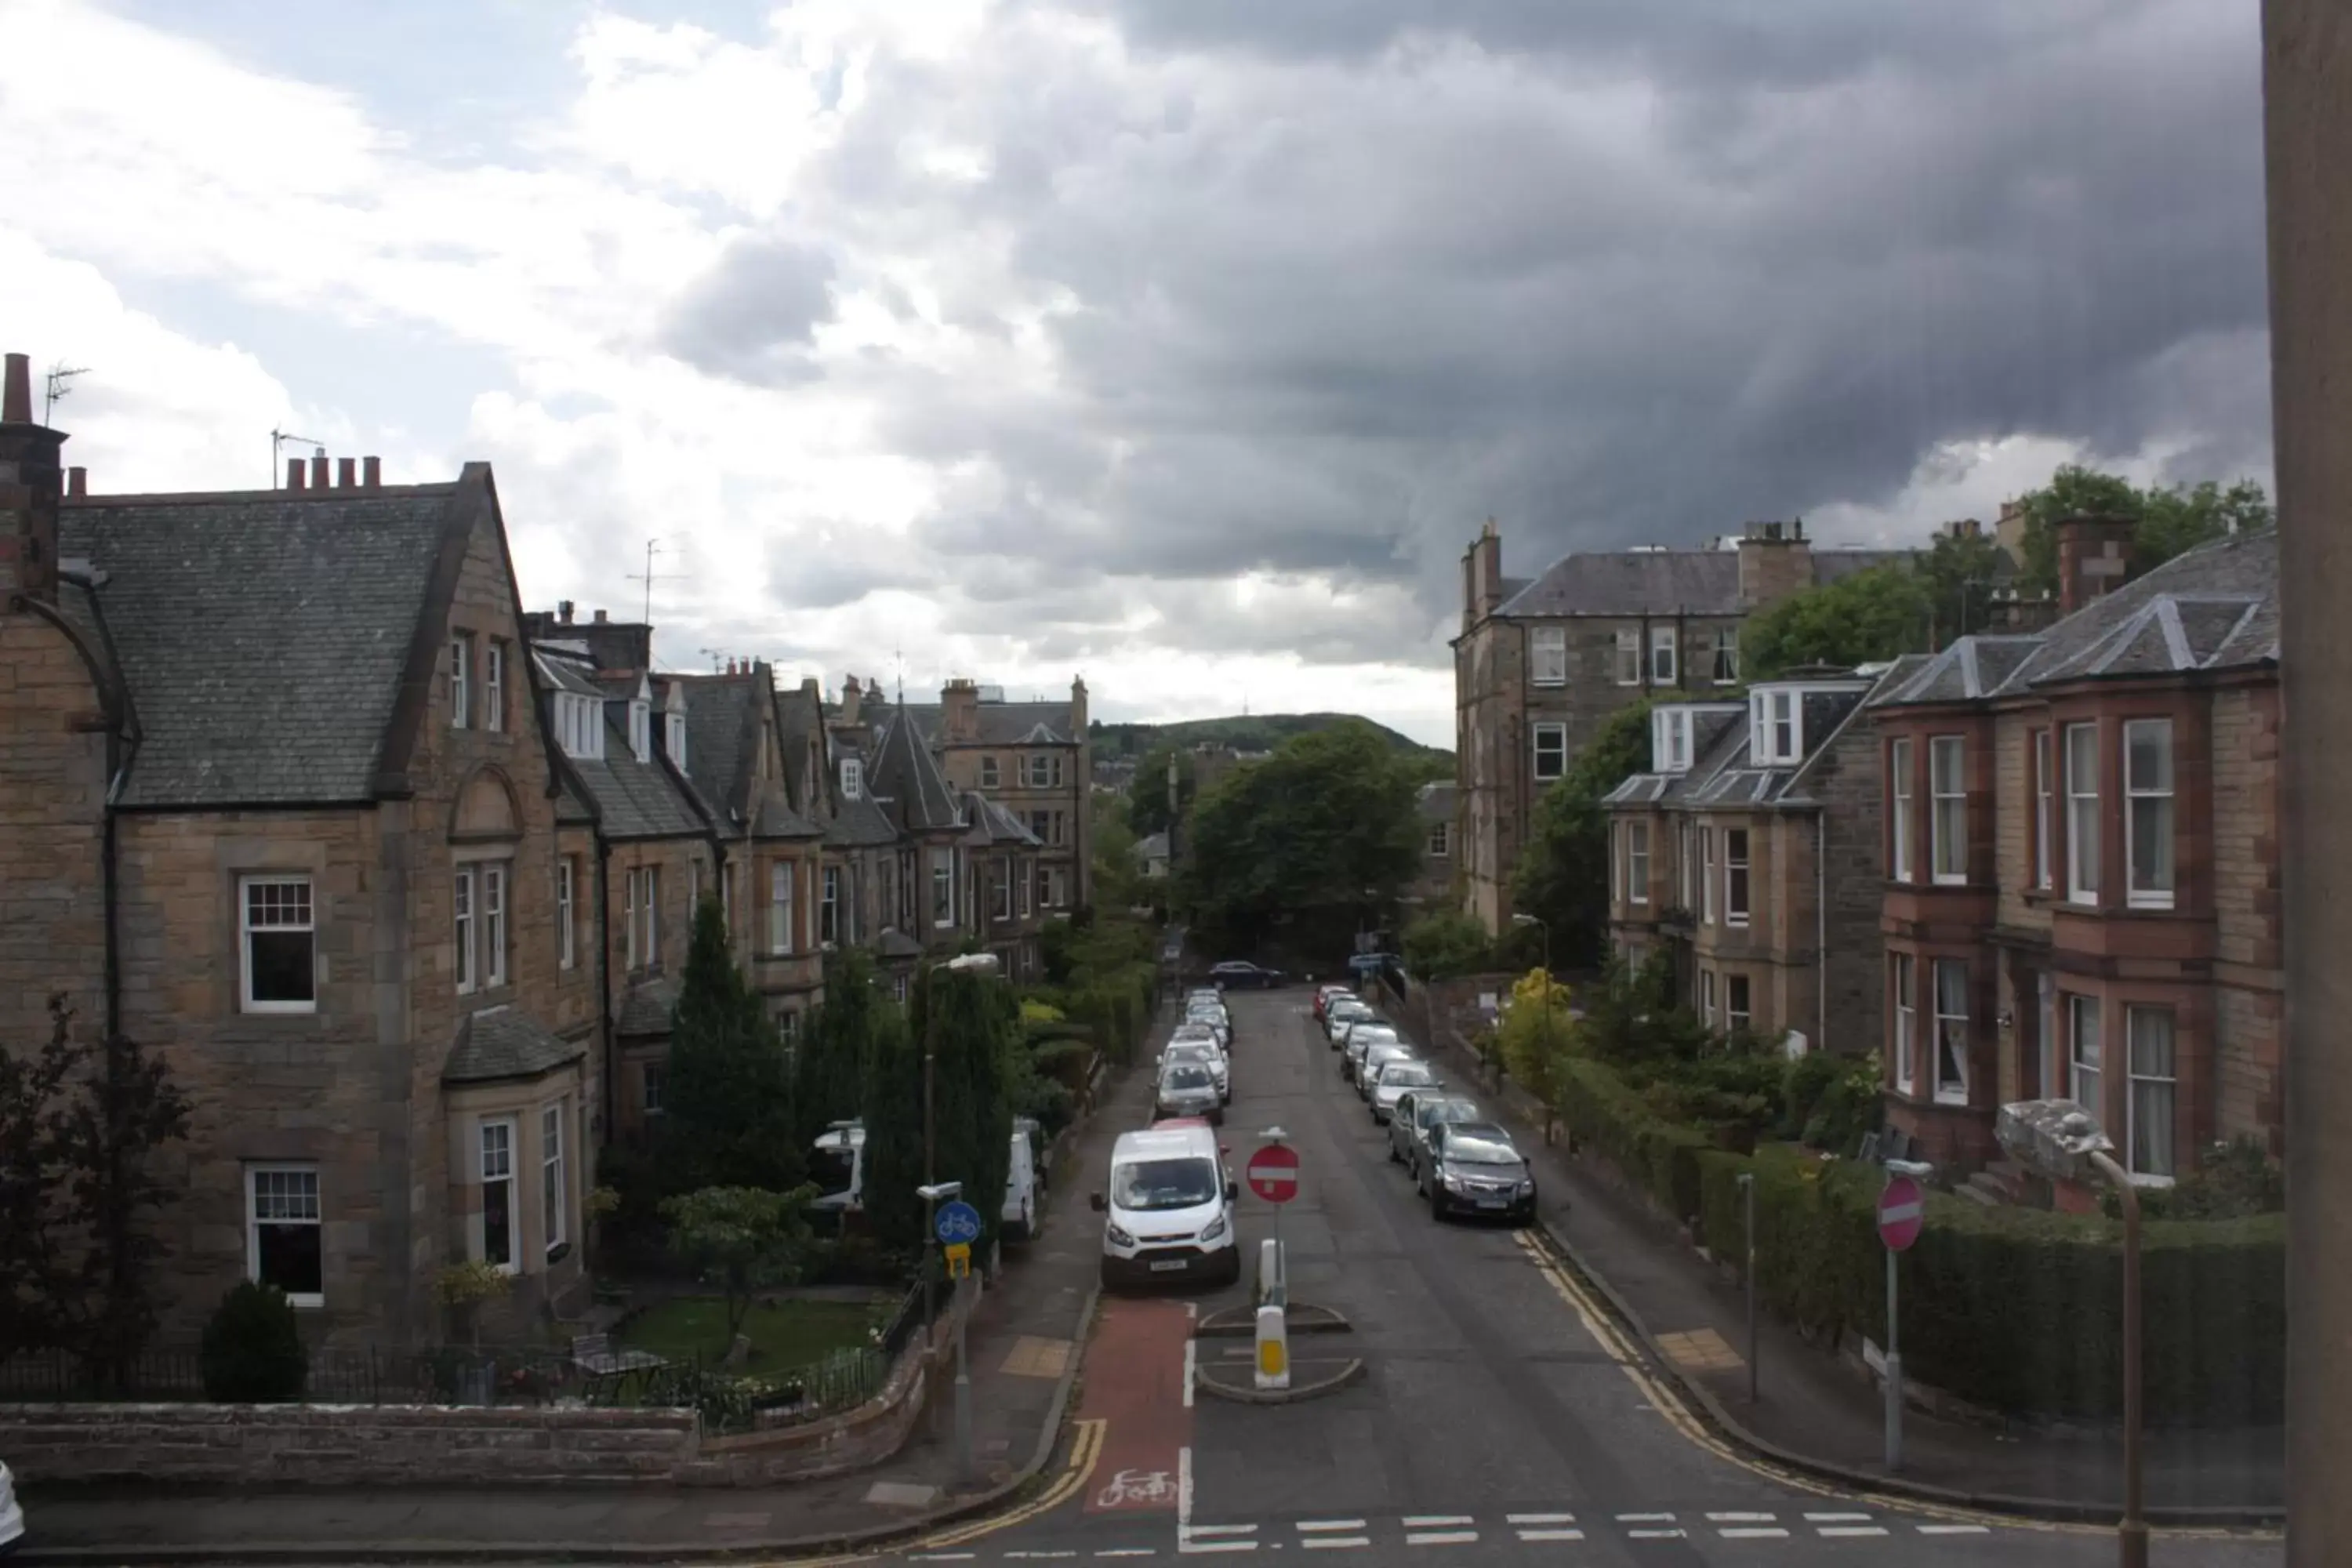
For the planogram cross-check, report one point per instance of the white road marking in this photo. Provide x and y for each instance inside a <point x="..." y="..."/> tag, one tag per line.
<point x="1183" y="1492"/>
<point x="1195" y="1548"/>
<point x="1742" y="1518"/>
<point x="1198" y="1531"/>
<point x="1753" y="1532"/>
<point x="1954" y="1529"/>
<point x="1848" y="1531"/>
<point x="942" y="1556"/>
<point x="1432" y="1521"/>
<point x="1645" y="1519"/>
<point x="1334" y="1543"/>
<point x="1551" y="1535"/>
<point x="1129" y="1552"/>
<point x="1315" y="1524"/>
<point x="1656" y="1534"/>
<point x="1539" y="1518"/>
<point x="1440" y="1537"/>
<point x="1192" y="1364"/>
<point x="1038" y="1556"/>
<point x="1837" y="1518"/>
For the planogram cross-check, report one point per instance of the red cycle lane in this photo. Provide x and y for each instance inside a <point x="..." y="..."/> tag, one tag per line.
<point x="1135" y="1385"/>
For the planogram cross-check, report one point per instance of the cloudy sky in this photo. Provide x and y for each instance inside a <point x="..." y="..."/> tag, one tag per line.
<point x="1180" y="343"/>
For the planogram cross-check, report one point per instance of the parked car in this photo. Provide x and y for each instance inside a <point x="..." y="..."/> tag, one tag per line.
<point x="1214" y="1019"/>
<point x="1201" y="1029"/>
<point x="1327" y="994"/>
<point x="1205" y="1053"/>
<point x="1474" y="1168"/>
<point x="1168" y="1213"/>
<point x="1376" y="1055"/>
<point x="1360" y="1037"/>
<point x="837" y="1165"/>
<point x="12" y="1513"/>
<point x="1019" y="1213"/>
<point x="1188" y="1088"/>
<point x="1240" y="972"/>
<point x="1343" y="1013"/>
<point x="1418" y="1112"/>
<point x="1395" y="1077"/>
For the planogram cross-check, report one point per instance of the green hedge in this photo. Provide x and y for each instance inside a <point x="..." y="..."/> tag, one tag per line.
<point x="2014" y="1310"/>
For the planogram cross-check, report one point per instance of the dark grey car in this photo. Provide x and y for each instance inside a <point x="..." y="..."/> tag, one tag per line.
<point x="1420" y="1112"/>
<point x="1188" y="1088"/>
<point x="1474" y="1168"/>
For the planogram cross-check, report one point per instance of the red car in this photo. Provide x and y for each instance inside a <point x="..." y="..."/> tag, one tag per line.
<point x="1324" y="994"/>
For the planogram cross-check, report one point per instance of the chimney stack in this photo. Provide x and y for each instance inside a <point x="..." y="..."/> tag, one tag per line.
<point x="2094" y="558"/>
<point x="295" y="469"/>
<point x="564" y="611"/>
<point x="1774" y="562"/>
<point x="1481" y="576"/>
<point x="30" y="481"/>
<point x="852" y="694"/>
<point x="371" y="473"/>
<point x="960" y="704"/>
<point x="318" y="471"/>
<point x="347" y="473"/>
<point x="76" y="481"/>
<point x="600" y="618"/>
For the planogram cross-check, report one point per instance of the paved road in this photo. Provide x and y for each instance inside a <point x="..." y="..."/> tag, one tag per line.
<point x="1497" y="1420"/>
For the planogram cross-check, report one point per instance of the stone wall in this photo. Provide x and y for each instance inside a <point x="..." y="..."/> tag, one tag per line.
<point x="53" y="779"/>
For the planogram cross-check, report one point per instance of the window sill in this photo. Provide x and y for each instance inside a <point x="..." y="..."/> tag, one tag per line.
<point x="1950" y="1097"/>
<point x="1944" y="881"/>
<point x="2149" y="1182"/>
<point x="2149" y="904"/>
<point x="278" y="1009"/>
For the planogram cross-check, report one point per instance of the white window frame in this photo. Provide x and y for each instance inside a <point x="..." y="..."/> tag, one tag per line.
<point x="246" y="931"/>
<point x="1547" y="656"/>
<point x="673" y="739"/>
<point x="1637" y="862"/>
<point x="1726" y="664"/>
<point x="780" y="907"/>
<point x="1706" y="997"/>
<point x="2045" y="804"/>
<point x="2083" y="814"/>
<point x="1707" y="875"/>
<point x="1736" y="1018"/>
<point x="2079" y="1007"/>
<point x="253" y="1223"/>
<point x="944" y="890"/>
<point x="1686" y="877"/>
<point x="1536" y="735"/>
<point x="828" y="918"/>
<point x="1028" y="891"/>
<point x="649" y="909"/>
<point x="853" y="778"/>
<point x="1788" y="726"/>
<point x="1736" y="877"/>
<point x="512" y="1263"/>
<point x="461" y="680"/>
<point x="990" y="775"/>
<point x="1950" y="1024"/>
<point x="2155" y="797"/>
<point x="494" y="685"/>
<point x="1663" y="670"/>
<point x="629" y="918"/>
<point x="554" y="1183"/>
<point x="999" y="890"/>
<point x="1947" y="810"/>
<point x="1898" y="810"/>
<point x="567" y="883"/>
<point x="1629" y="656"/>
<point x="1903" y="977"/>
<point x="1440" y="844"/>
<point x="462" y="916"/>
<point x="494" y="925"/>
<point x="641" y="730"/>
<point x="2166" y="1082"/>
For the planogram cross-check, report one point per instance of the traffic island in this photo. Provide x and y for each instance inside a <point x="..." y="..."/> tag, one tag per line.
<point x="1298" y="1318"/>
<point x="1310" y="1378"/>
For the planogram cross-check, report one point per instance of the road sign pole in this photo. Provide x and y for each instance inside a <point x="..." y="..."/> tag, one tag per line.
<point x="1902" y="1209"/>
<point x="1893" y="1374"/>
<point x="1747" y="1201"/>
<point x="963" y="1386"/>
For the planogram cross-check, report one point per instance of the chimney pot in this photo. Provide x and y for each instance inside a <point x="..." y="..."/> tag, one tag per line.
<point x="17" y="398"/>
<point x="77" y="481"/>
<point x="371" y="472"/>
<point x="295" y="469"/>
<point x="319" y="471"/>
<point x="347" y="473"/>
<point x="600" y="618"/>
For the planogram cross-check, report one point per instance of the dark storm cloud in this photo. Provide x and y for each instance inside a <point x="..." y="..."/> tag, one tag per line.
<point x="1326" y="282"/>
<point x="753" y="315"/>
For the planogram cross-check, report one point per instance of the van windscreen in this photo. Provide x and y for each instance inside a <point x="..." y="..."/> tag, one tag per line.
<point x="1179" y="1184"/>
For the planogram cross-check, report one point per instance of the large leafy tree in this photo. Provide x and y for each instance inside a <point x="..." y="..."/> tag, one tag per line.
<point x="1446" y="943"/>
<point x="1562" y="877"/>
<point x="1959" y="574"/>
<point x="2169" y="518"/>
<point x="836" y="1054"/>
<point x="79" y="1123"/>
<point x="1149" y="806"/>
<point x="1305" y="844"/>
<point x="727" y="1093"/>
<point x="1864" y="616"/>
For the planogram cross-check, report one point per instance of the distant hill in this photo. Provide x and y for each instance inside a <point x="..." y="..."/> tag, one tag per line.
<point x="1246" y="733"/>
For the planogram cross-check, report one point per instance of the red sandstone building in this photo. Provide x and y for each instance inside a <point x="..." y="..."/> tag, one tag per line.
<point x="2082" y="861"/>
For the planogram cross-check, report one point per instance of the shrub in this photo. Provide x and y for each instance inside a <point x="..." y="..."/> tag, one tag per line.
<point x="1445" y="945"/>
<point x="2236" y="1180"/>
<point x="253" y="1350"/>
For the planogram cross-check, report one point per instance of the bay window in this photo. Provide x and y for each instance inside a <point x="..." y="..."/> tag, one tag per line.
<point x="2148" y="812"/>
<point x="1951" y="1031"/>
<point x="498" y="1176"/>
<point x="1900" y="976"/>
<point x="780" y="907"/>
<point x="1948" y="826"/>
<point x="554" y="1207"/>
<point x="1898" y="808"/>
<point x="2083" y="1044"/>
<point x="2042" y="808"/>
<point x="1637" y="862"/>
<point x="2083" y="814"/>
<point x="1735" y="876"/>
<point x="1707" y="875"/>
<point x="2147" y="1111"/>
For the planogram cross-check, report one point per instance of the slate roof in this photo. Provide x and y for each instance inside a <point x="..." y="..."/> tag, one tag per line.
<point x="1663" y="582"/>
<point x="896" y="943"/>
<point x="905" y="780"/>
<point x="1436" y="802"/>
<point x="1003" y="723"/>
<point x="649" y="1007"/>
<point x="800" y="737"/>
<point x="991" y="824"/>
<point x="505" y="1042"/>
<point x="264" y="635"/>
<point x="2214" y="607"/>
<point x="723" y="726"/>
<point x="1721" y="773"/>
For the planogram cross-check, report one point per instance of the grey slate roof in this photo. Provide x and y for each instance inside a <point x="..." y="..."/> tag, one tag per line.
<point x="1003" y="723"/>
<point x="649" y="1007"/>
<point x="505" y="1042"/>
<point x="1663" y="582"/>
<point x="1436" y="802"/>
<point x="264" y="635"/>
<point x="896" y="943"/>
<point x="991" y="824"/>
<point x="724" y="719"/>
<point x="1721" y="773"/>
<point x="907" y="781"/>
<point x="800" y="737"/>
<point x="2213" y="607"/>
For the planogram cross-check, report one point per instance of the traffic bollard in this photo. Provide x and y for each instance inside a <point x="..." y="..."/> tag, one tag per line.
<point x="1273" y="1349"/>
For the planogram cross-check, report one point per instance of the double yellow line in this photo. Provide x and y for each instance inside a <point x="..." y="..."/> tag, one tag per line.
<point x="1085" y="1449"/>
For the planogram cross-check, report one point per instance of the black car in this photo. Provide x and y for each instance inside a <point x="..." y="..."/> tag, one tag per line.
<point x="1243" y="974"/>
<point x="1474" y="1168"/>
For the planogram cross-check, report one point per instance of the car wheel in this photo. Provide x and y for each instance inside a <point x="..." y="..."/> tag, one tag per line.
<point x="1436" y="1202"/>
<point x="1394" y="1158"/>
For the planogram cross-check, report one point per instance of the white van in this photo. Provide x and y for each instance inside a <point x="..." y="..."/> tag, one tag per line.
<point x="837" y="1165"/>
<point x="1169" y="1211"/>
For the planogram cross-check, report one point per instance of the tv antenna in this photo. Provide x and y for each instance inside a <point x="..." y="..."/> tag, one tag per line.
<point x="59" y="377"/>
<point x="279" y="439"/>
<point x="718" y="660"/>
<point x="649" y="577"/>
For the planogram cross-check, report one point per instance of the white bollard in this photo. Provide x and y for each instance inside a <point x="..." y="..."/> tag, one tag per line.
<point x="1273" y="1349"/>
<point x="1271" y="1286"/>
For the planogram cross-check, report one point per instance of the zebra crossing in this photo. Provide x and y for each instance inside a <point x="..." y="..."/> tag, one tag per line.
<point x="1560" y="1526"/>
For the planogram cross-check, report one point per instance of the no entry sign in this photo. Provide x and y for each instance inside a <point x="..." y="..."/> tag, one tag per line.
<point x="1900" y="1206"/>
<point x="1273" y="1173"/>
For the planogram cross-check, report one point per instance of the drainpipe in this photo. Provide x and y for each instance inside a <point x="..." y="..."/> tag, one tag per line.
<point x="1822" y="928"/>
<point x="604" y="975"/>
<point x="111" y="882"/>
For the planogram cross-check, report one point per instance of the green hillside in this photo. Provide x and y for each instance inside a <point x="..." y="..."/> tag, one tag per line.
<point x="1246" y="733"/>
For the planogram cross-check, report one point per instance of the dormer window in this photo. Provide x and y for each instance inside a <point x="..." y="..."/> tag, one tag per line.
<point x="674" y="740"/>
<point x="853" y="778"/>
<point x="641" y="730"/>
<point x="1776" y="729"/>
<point x="1670" y="744"/>
<point x="579" y="725"/>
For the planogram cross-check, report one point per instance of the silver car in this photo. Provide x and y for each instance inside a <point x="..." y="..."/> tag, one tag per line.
<point x="1201" y="1053"/>
<point x="1377" y="1055"/>
<point x="1361" y="1037"/>
<point x="1186" y="1089"/>
<point x="1339" y="1015"/>
<point x="1397" y="1075"/>
<point x="1419" y="1113"/>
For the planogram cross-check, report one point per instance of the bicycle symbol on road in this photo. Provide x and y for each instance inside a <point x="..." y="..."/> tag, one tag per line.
<point x="1138" y="1489"/>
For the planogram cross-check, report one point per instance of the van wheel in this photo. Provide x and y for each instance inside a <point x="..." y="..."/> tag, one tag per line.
<point x="1026" y="1228"/>
<point x="1394" y="1158"/>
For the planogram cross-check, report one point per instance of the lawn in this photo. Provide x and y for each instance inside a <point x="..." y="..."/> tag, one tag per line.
<point x="783" y="1334"/>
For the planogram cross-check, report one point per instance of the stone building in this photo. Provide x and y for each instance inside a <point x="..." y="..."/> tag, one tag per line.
<point x="1540" y="662"/>
<point x="2083" y="851"/>
<point x="1749" y="850"/>
<point x="1034" y="759"/>
<point x="280" y="802"/>
<point x="1437" y="885"/>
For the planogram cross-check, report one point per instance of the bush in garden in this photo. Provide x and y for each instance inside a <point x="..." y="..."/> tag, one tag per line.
<point x="253" y="1350"/>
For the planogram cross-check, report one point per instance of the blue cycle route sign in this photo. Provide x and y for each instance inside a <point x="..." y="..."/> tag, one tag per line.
<point x="957" y="1223"/>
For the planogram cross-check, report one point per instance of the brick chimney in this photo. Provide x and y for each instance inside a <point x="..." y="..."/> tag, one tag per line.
<point x="1481" y="576"/>
<point x="296" y="472"/>
<point x="960" y="703"/>
<point x="30" y="478"/>
<point x="2095" y="556"/>
<point x="2010" y="531"/>
<point x="347" y="473"/>
<point x="1078" y="707"/>
<point x="371" y="473"/>
<point x="318" y="471"/>
<point x="852" y="694"/>
<point x="1774" y="562"/>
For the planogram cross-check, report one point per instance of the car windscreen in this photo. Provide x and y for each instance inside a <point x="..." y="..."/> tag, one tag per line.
<point x="1191" y="1051"/>
<point x="1178" y="1184"/>
<point x="1187" y="1076"/>
<point x="1405" y="1075"/>
<point x="830" y="1169"/>
<point x="1472" y="1149"/>
<point x="1436" y="1111"/>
